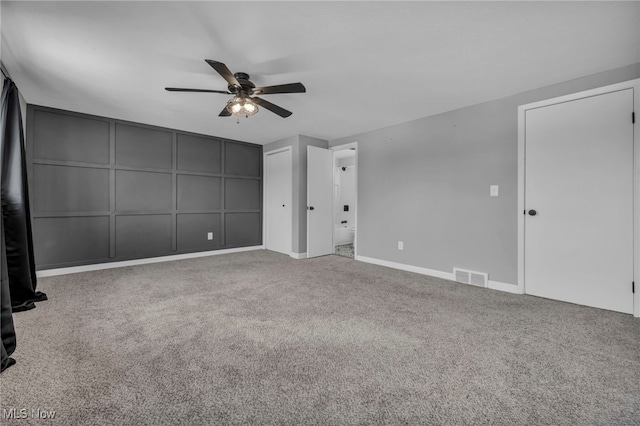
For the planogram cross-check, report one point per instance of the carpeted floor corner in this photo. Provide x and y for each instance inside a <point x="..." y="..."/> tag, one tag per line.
<point x="260" y="338"/>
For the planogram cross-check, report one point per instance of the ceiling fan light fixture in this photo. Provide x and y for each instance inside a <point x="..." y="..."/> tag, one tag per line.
<point x="242" y="106"/>
<point x="241" y="87"/>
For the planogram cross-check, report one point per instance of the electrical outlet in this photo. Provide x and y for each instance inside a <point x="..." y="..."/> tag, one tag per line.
<point x="400" y="245"/>
<point x="209" y="235"/>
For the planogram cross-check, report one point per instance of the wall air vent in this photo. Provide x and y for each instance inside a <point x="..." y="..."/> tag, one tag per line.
<point x="478" y="279"/>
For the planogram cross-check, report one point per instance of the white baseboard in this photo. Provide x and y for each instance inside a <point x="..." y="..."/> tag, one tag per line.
<point x="298" y="255"/>
<point x="509" y="288"/>
<point x="110" y="265"/>
<point x="494" y="285"/>
<point x="405" y="267"/>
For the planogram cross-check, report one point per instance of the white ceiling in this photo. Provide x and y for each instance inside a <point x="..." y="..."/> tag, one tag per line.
<point x="366" y="65"/>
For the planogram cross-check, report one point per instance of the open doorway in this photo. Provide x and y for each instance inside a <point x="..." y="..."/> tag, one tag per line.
<point x="344" y="200"/>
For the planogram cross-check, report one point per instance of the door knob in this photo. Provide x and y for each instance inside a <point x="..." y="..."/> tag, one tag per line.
<point x="283" y="205"/>
<point x="311" y="208"/>
<point x="532" y="212"/>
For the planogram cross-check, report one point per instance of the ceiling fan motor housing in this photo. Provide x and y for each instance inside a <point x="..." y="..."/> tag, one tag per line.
<point x="245" y="83"/>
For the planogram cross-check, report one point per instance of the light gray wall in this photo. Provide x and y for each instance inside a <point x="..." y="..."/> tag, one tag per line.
<point x="426" y="182"/>
<point x="298" y="144"/>
<point x="105" y="190"/>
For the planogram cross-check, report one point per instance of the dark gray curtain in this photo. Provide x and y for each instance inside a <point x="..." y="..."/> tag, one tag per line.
<point x="16" y="215"/>
<point x="7" y="332"/>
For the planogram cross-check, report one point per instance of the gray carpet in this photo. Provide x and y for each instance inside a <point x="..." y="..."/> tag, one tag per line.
<point x="260" y="338"/>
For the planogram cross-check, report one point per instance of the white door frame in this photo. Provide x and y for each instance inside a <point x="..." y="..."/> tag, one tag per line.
<point x="633" y="84"/>
<point x="355" y="210"/>
<point x="289" y="197"/>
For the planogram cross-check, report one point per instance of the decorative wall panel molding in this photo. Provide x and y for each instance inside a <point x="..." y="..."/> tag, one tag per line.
<point x="105" y="190"/>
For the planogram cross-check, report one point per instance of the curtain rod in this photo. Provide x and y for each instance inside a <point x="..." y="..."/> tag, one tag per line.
<point x="5" y="73"/>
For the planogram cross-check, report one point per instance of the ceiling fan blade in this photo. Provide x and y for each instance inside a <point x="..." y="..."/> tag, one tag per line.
<point x="224" y="72"/>
<point x="272" y="107"/>
<point x="179" y="89"/>
<point x="224" y="113"/>
<point x="281" y="88"/>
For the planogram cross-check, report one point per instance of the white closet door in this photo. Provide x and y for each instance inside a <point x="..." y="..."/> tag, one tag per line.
<point x="319" y="201"/>
<point x="579" y="181"/>
<point x="278" y="223"/>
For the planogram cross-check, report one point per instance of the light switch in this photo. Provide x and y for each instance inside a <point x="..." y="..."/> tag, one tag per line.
<point x="209" y="235"/>
<point x="493" y="190"/>
<point x="400" y="245"/>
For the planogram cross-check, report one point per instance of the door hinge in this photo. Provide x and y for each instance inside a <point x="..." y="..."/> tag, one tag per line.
<point x="633" y="117"/>
<point x="633" y="286"/>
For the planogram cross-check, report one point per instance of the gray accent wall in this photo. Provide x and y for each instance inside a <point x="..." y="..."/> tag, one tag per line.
<point x="298" y="144"/>
<point x="105" y="190"/>
<point x="426" y="183"/>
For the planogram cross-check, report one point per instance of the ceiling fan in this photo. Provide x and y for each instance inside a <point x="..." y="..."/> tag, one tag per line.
<point x="243" y="104"/>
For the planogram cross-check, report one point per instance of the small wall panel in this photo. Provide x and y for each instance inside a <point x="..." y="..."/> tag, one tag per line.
<point x="198" y="154"/>
<point x="64" y="240"/>
<point x="243" y="229"/>
<point x="139" y="236"/>
<point x="143" y="191"/>
<point x="240" y="159"/>
<point x="198" y="193"/>
<point x="66" y="137"/>
<point x="143" y="147"/>
<point x="193" y="229"/>
<point x="70" y="189"/>
<point x="242" y="194"/>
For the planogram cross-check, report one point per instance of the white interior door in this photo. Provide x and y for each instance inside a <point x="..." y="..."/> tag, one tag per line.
<point x="579" y="201"/>
<point x="278" y="224"/>
<point x="319" y="201"/>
